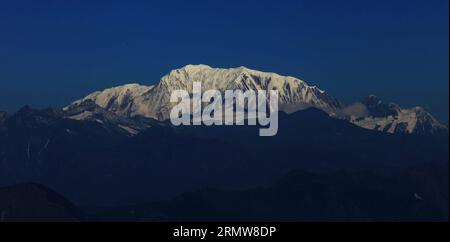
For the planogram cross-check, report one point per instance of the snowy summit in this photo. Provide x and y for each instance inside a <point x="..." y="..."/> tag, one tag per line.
<point x="132" y="100"/>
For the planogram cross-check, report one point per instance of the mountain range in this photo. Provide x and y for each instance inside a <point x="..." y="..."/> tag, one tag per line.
<point x="304" y="196"/>
<point x="132" y="100"/>
<point x="116" y="147"/>
<point x="297" y="196"/>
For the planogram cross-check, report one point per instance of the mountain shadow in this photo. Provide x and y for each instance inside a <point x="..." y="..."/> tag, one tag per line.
<point x="419" y="193"/>
<point x="92" y="163"/>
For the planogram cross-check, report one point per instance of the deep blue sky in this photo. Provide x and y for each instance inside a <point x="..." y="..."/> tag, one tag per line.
<point x="52" y="52"/>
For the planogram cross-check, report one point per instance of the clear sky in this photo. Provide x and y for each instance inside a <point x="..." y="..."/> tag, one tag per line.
<point x="53" y="52"/>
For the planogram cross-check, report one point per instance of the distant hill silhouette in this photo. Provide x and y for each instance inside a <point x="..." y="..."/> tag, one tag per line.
<point x="416" y="194"/>
<point x="30" y="202"/>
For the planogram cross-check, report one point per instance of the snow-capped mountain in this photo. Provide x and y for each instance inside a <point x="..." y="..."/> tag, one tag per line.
<point x="126" y="100"/>
<point x="373" y="113"/>
<point x="154" y="101"/>
<point x="133" y="100"/>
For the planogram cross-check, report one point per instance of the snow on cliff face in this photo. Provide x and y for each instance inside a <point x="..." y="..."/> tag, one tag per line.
<point x="392" y="118"/>
<point x="88" y="110"/>
<point x="154" y="101"/>
<point x="294" y="94"/>
<point x="414" y="120"/>
<point x="126" y="100"/>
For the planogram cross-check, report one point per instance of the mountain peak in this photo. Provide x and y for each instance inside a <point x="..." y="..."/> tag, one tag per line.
<point x="120" y="99"/>
<point x="25" y="109"/>
<point x="377" y="108"/>
<point x="196" y="67"/>
<point x="199" y="67"/>
<point x="35" y="117"/>
<point x="372" y="100"/>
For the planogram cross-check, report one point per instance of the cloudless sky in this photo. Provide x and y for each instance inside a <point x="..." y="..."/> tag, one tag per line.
<point x="53" y="52"/>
